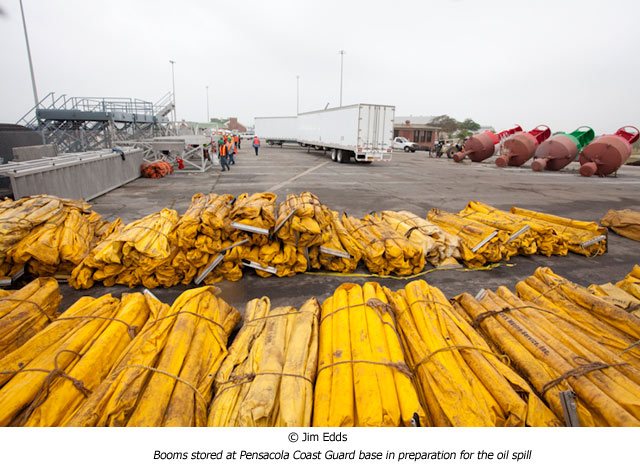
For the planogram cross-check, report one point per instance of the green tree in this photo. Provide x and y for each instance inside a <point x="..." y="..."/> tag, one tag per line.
<point x="469" y="125"/>
<point x="446" y="123"/>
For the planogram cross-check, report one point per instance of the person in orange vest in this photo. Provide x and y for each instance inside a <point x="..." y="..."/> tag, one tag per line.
<point x="222" y="155"/>
<point x="236" y="139"/>
<point x="230" y="146"/>
<point x="256" y="144"/>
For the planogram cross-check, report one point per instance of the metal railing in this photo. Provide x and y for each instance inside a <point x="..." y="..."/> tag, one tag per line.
<point x="98" y="104"/>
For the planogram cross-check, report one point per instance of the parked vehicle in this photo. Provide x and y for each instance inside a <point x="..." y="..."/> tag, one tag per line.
<point x="276" y="130"/>
<point x="402" y="143"/>
<point x="363" y="132"/>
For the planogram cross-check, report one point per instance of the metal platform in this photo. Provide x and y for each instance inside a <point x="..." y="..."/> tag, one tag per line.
<point x="191" y="149"/>
<point x="74" y="175"/>
<point x="76" y="124"/>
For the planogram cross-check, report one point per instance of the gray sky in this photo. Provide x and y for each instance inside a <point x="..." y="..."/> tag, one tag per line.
<point x="562" y="63"/>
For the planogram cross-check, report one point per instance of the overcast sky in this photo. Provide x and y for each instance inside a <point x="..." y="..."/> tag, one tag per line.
<point x="562" y="63"/>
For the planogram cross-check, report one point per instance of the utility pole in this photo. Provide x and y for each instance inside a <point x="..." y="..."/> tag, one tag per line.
<point x="297" y="95"/>
<point x="173" y="83"/>
<point x="26" y="39"/>
<point x="208" y="119"/>
<point x="341" y="52"/>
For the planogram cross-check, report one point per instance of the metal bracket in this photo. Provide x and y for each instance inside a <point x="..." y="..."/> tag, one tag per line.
<point x="210" y="267"/>
<point x="258" y="266"/>
<point x="147" y="292"/>
<point x="569" y="409"/>
<point x="519" y="232"/>
<point x="595" y="240"/>
<point x="484" y="241"/>
<point x="283" y="222"/>
<point x="337" y="253"/>
<point x="251" y="229"/>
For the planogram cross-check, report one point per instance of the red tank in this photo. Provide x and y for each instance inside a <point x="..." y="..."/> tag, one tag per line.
<point x="517" y="149"/>
<point x="561" y="149"/>
<point x="608" y="153"/>
<point x="481" y="146"/>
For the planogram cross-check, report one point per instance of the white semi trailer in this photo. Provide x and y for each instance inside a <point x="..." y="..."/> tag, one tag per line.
<point x="362" y="131"/>
<point x="276" y="130"/>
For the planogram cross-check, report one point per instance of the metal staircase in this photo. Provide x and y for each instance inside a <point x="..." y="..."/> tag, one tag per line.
<point x="79" y="124"/>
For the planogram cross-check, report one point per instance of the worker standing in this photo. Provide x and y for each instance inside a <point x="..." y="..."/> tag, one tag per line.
<point x="223" y="155"/>
<point x="237" y="140"/>
<point x="230" y="146"/>
<point x="256" y="144"/>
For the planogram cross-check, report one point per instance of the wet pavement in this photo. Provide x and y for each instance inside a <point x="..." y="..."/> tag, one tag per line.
<point x="411" y="182"/>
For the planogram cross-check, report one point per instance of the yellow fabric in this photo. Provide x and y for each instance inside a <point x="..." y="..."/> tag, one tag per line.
<point x="624" y="222"/>
<point x="267" y="379"/>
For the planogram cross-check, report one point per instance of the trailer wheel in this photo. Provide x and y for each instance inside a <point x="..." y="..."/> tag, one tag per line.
<point x="270" y="142"/>
<point x="334" y="155"/>
<point x="343" y="157"/>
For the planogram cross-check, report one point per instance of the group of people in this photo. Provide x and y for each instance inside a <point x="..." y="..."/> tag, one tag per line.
<point x="227" y="146"/>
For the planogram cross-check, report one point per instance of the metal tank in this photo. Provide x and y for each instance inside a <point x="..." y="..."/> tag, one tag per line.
<point x="561" y="149"/>
<point x="481" y="146"/>
<point x="517" y="149"/>
<point x="609" y="152"/>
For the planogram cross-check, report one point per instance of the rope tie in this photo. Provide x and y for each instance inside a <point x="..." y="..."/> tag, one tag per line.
<point x="238" y="380"/>
<point x="43" y="393"/>
<point x="26" y="301"/>
<point x="400" y="367"/>
<point x="261" y="318"/>
<point x="632" y="346"/>
<point x="131" y="329"/>
<point x="581" y="370"/>
<point x="503" y="358"/>
<point x="199" y="395"/>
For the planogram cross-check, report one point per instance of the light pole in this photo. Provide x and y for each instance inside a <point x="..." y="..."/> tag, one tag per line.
<point x="208" y="119"/>
<point x="173" y="84"/>
<point x="26" y="39"/>
<point x="297" y="95"/>
<point x="341" y="52"/>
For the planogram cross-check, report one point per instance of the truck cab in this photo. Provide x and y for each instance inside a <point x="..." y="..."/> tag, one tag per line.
<point x="402" y="143"/>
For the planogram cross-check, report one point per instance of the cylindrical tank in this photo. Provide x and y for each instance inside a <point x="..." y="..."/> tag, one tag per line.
<point x="561" y="149"/>
<point x="519" y="148"/>
<point x="609" y="152"/>
<point x="481" y="146"/>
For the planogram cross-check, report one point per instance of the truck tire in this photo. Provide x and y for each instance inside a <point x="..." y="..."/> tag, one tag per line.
<point x="343" y="156"/>
<point x="270" y="142"/>
<point x="334" y="155"/>
<point x="406" y="148"/>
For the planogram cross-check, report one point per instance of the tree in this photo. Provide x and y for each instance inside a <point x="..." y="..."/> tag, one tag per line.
<point x="469" y="125"/>
<point x="446" y="123"/>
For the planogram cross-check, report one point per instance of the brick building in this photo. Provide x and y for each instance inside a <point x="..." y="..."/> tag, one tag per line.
<point x="417" y="129"/>
<point x="233" y="125"/>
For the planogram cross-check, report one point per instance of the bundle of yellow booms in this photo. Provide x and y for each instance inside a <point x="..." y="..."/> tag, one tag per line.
<point x="463" y="381"/>
<point x="582" y="237"/>
<point x="268" y="377"/>
<point x="363" y="379"/>
<point x="479" y="244"/>
<point x="562" y="338"/>
<point x="385" y="251"/>
<point x="49" y="376"/>
<point x="436" y="244"/>
<point x="201" y="234"/>
<point x="25" y="312"/>
<point x="139" y="253"/>
<point x="164" y="376"/>
<point x="48" y="234"/>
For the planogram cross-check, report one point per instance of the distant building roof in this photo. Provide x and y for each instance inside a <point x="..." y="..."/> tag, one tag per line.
<point x="414" y="119"/>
